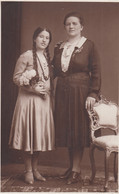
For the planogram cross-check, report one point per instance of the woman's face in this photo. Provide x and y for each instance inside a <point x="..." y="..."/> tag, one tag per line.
<point x="42" y="40"/>
<point x="73" y="26"/>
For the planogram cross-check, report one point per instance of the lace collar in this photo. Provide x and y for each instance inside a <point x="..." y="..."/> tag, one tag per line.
<point x="78" y="45"/>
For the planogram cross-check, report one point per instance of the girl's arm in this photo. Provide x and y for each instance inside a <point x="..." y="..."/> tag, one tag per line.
<point x="20" y="68"/>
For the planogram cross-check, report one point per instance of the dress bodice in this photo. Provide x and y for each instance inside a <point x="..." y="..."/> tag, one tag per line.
<point x="83" y="59"/>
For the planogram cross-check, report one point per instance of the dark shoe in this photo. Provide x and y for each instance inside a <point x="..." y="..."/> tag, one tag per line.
<point x="74" y="178"/>
<point x="66" y="174"/>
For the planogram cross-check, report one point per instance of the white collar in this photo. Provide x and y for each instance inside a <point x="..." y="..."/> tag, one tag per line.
<point x="79" y="44"/>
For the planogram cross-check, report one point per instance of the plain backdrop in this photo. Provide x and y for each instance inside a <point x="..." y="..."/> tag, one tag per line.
<point x="19" y="20"/>
<point x="101" y="26"/>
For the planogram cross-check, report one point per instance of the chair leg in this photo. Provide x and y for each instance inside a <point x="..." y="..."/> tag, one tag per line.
<point x="115" y="167"/>
<point x="91" y="152"/>
<point x="107" y="155"/>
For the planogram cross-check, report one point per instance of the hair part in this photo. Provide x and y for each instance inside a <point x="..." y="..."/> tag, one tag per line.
<point x="74" y="14"/>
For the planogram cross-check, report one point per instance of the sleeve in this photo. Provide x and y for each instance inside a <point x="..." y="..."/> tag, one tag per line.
<point x="20" y="67"/>
<point x="56" y="51"/>
<point x="95" y="73"/>
<point x="53" y="65"/>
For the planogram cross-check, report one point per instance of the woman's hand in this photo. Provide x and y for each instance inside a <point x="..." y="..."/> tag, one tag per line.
<point x="90" y="101"/>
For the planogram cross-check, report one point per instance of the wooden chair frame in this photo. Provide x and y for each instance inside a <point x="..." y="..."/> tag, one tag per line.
<point x="94" y="126"/>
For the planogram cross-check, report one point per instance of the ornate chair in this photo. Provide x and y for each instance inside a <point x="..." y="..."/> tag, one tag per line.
<point x="104" y="115"/>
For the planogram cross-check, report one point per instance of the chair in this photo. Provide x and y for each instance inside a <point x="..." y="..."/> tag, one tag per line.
<point x="104" y="115"/>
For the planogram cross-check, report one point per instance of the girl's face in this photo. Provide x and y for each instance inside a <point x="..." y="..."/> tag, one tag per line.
<point x="73" y="26"/>
<point x="42" y="40"/>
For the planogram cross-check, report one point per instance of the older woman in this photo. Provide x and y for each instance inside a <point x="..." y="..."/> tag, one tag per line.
<point x="76" y="65"/>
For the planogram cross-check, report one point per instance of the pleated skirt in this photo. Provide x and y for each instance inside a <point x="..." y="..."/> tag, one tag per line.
<point x="71" y="117"/>
<point x="32" y="126"/>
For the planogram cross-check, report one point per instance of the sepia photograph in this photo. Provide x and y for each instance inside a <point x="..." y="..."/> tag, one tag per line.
<point x="59" y="96"/>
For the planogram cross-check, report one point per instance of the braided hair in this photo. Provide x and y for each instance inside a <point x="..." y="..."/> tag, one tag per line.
<point x="47" y="54"/>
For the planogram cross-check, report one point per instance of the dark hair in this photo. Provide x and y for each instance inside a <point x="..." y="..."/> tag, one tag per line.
<point x="74" y="14"/>
<point x="39" y="30"/>
<point x="35" y="35"/>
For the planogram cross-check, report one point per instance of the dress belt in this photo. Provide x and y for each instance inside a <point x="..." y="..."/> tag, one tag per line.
<point x="75" y="75"/>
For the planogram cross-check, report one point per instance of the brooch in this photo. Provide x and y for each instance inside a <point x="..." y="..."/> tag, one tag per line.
<point x="78" y="50"/>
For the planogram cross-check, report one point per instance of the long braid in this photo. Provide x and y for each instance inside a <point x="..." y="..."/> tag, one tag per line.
<point x="48" y="55"/>
<point x="34" y="57"/>
<point x="50" y="70"/>
<point x="35" y="66"/>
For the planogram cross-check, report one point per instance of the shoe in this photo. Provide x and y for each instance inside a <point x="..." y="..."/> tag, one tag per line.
<point x="38" y="176"/>
<point x="74" y="178"/>
<point x="29" y="177"/>
<point x="66" y="174"/>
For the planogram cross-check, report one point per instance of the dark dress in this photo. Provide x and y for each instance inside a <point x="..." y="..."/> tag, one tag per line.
<point x="82" y="79"/>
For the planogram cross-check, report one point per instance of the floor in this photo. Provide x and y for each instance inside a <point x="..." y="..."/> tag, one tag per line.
<point x="12" y="180"/>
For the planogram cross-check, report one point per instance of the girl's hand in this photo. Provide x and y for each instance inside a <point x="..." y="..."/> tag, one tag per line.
<point x="90" y="101"/>
<point x="39" y="89"/>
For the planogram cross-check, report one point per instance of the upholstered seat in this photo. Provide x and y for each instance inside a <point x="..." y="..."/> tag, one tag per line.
<point x="104" y="116"/>
<point x="108" y="141"/>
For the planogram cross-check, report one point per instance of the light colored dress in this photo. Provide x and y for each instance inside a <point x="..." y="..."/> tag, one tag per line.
<point x="32" y="126"/>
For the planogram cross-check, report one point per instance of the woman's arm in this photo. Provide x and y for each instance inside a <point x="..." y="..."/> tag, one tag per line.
<point x="95" y="73"/>
<point x="56" y="52"/>
<point x="54" y="75"/>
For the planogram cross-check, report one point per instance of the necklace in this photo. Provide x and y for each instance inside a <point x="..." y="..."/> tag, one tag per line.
<point x="46" y="77"/>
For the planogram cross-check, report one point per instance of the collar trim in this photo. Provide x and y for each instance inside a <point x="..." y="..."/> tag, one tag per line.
<point x="78" y="45"/>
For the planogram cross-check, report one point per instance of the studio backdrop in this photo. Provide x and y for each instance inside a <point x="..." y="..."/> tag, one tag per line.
<point x="20" y="19"/>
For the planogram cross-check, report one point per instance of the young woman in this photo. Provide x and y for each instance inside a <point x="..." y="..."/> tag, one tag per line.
<point x="32" y="127"/>
<point x="77" y="68"/>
